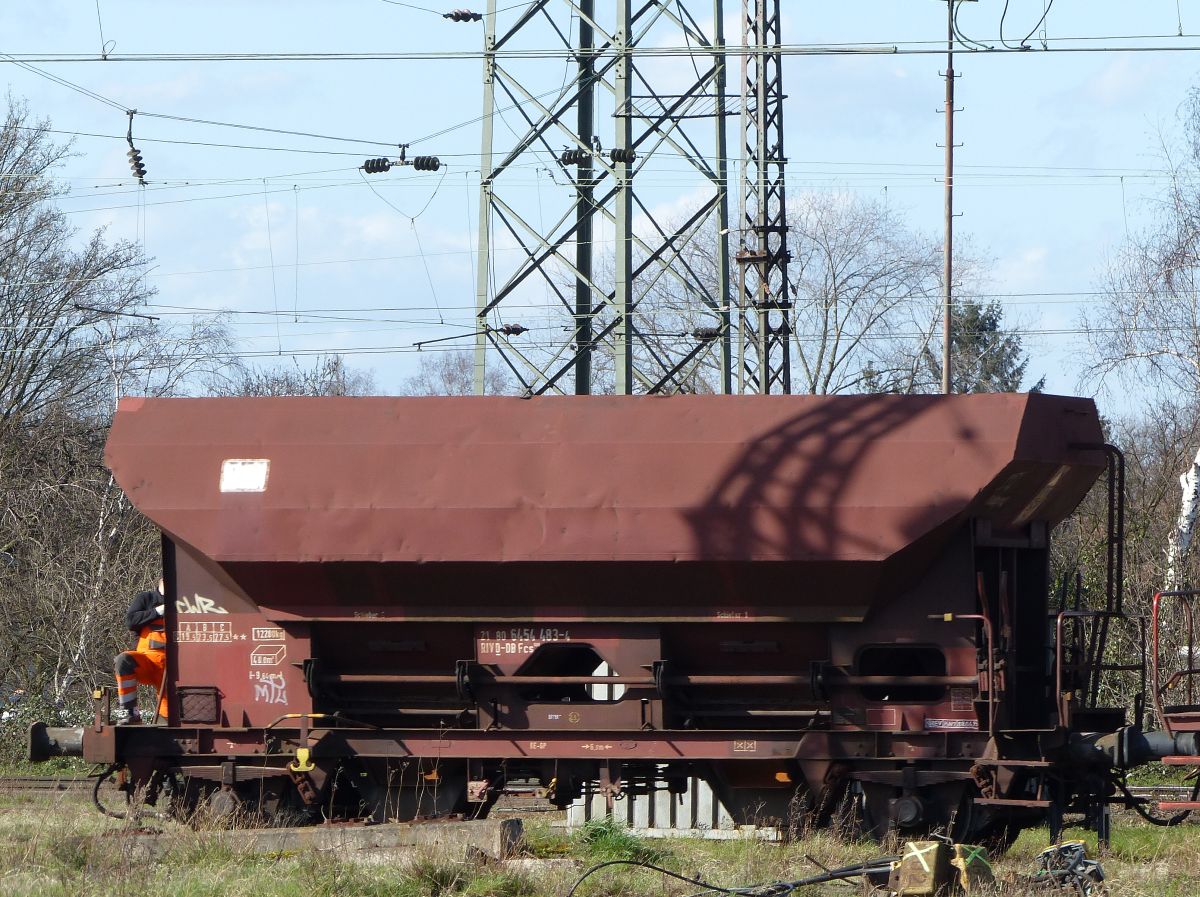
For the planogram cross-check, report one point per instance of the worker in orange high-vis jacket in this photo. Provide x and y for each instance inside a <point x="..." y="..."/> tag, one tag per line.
<point x="147" y="663"/>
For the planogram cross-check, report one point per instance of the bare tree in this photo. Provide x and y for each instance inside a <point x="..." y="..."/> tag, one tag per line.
<point x="1144" y="334"/>
<point x="71" y="325"/>
<point x="74" y="337"/>
<point x="866" y="291"/>
<point x="1146" y="331"/>
<point x="328" y="376"/>
<point x="443" y="373"/>
<point x="74" y="549"/>
<point x="1157" y="443"/>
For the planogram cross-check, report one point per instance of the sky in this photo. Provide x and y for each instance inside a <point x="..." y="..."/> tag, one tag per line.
<point x="1059" y="158"/>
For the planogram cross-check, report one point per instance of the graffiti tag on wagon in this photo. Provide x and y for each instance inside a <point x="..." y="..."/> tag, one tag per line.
<point x="198" y="604"/>
<point x="269" y="688"/>
<point x="515" y="641"/>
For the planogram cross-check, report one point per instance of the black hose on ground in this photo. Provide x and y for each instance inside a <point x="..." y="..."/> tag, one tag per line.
<point x="116" y="814"/>
<point x="776" y="889"/>
<point x="1136" y="804"/>
<point x="100" y="780"/>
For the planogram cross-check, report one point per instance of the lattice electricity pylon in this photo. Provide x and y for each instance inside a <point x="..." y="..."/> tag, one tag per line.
<point x="653" y="313"/>
<point x="765" y="322"/>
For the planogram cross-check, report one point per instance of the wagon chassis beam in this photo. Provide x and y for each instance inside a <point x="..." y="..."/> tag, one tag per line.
<point x="108" y="742"/>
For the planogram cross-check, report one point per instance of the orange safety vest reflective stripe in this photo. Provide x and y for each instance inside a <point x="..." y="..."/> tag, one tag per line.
<point x="152" y="638"/>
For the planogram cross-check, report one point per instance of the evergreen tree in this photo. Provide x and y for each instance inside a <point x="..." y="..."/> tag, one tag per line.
<point x="984" y="356"/>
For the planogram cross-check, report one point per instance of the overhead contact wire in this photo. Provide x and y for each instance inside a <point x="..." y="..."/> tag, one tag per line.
<point x="412" y="219"/>
<point x="271" y="255"/>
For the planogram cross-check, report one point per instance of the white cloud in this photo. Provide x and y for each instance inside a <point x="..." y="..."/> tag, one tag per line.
<point x="1124" y="79"/>
<point x="1022" y="270"/>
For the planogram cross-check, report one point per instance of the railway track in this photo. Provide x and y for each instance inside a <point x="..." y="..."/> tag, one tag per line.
<point x="16" y="784"/>
<point x="1163" y="792"/>
<point x="81" y="784"/>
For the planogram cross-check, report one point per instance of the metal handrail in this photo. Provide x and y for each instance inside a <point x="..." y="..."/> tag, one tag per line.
<point x="1059" y="627"/>
<point x="1158" y="688"/>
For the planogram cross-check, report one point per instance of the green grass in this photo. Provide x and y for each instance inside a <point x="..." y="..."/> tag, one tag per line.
<point x="55" y="844"/>
<point x="1143" y="861"/>
<point x="547" y="842"/>
<point x="604" y="840"/>
<point x="64" y="766"/>
<point x="1156" y="774"/>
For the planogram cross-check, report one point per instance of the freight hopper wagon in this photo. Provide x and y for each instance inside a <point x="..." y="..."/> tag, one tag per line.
<point x="828" y="607"/>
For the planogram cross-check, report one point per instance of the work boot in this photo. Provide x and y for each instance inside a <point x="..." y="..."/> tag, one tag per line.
<point x="127" y="716"/>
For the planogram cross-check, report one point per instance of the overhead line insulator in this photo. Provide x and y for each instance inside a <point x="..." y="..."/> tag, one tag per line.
<point x="579" y="156"/>
<point x="420" y="163"/>
<point x="134" y="154"/>
<point x="377" y="166"/>
<point x="136" y="166"/>
<point x="462" y="15"/>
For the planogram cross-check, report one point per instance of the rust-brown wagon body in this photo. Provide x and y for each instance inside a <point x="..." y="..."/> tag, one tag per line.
<point x="413" y="605"/>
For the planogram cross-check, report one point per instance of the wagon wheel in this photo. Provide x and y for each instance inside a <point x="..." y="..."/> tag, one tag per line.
<point x="972" y="825"/>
